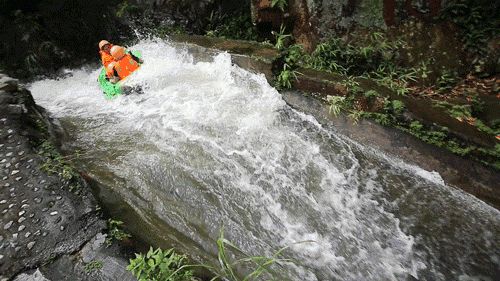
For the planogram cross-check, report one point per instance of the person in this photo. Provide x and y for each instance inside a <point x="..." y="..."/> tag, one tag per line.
<point x="105" y="52"/>
<point x="123" y="65"/>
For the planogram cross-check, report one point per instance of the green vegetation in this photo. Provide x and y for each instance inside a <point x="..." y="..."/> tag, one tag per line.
<point x="281" y="4"/>
<point x="438" y="137"/>
<point x="169" y="266"/>
<point x="478" y="22"/>
<point x="337" y="104"/>
<point x="336" y="55"/>
<point x="55" y="163"/>
<point x="284" y="80"/>
<point x="115" y="232"/>
<point x="126" y="8"/>
<point x="164" y="31"/>
<point x="159" y="265"/>
<point x="237" y="26"/>
<point x="258" y="265"/>
<point x="446" y="81"/>
<point x="281" y="38"/>
<point x="93" y="266"/>
<point x="370" y="104"/>
<point x="376" y="58"/>
<point x="291" y="57"/>
<point x="468" y="113"/>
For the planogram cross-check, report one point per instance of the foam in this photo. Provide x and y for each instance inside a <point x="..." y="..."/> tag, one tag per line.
<point x="220" y="130"/>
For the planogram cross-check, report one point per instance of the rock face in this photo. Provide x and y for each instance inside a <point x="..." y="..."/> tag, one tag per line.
<point x="335" y="15"/>
<point x="40" y="217"/>
<point x="327" y="17"/>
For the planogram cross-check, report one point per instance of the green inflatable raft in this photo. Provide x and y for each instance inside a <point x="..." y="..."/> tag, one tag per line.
<point x="111" y="90"/>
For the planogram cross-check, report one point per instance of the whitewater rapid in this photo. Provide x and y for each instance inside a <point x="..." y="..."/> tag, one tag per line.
<point x="209" y="144"/>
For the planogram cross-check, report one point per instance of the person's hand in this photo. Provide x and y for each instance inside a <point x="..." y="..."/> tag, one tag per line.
<point x="114" y="80"/>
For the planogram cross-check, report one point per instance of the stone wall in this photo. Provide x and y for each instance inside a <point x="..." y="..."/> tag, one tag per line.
<point x="40" y="217"/>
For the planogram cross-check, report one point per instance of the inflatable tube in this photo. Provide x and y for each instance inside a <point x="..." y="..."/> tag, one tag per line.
<point x="112" y="90"/>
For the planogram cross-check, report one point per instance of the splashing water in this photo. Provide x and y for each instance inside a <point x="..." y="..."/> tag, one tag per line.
<point x="210" y="144"/>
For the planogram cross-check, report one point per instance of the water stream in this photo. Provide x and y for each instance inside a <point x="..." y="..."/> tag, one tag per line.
<point x="210" y="144"/>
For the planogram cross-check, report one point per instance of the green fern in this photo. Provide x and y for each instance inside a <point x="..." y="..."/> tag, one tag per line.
<point x="281" y="4"/>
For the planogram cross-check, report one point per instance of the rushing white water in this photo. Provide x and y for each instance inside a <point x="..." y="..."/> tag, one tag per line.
<point x="210" y="144"/>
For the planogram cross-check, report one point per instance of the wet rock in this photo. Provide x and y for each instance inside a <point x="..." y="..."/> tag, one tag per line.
<point x="35" y="276"/>
<point x="114" y="265"/>
<point x="8" y="84"/>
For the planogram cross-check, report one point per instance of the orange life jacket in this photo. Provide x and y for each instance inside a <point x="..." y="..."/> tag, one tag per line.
<point x="125" y="66"/>
<point x="106" y="58"/>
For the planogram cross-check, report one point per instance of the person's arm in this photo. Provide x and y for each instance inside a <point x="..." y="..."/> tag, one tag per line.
<point x="103" y="59"/>
<point x="115" y="77"/>
<point x="112" y="76"/>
